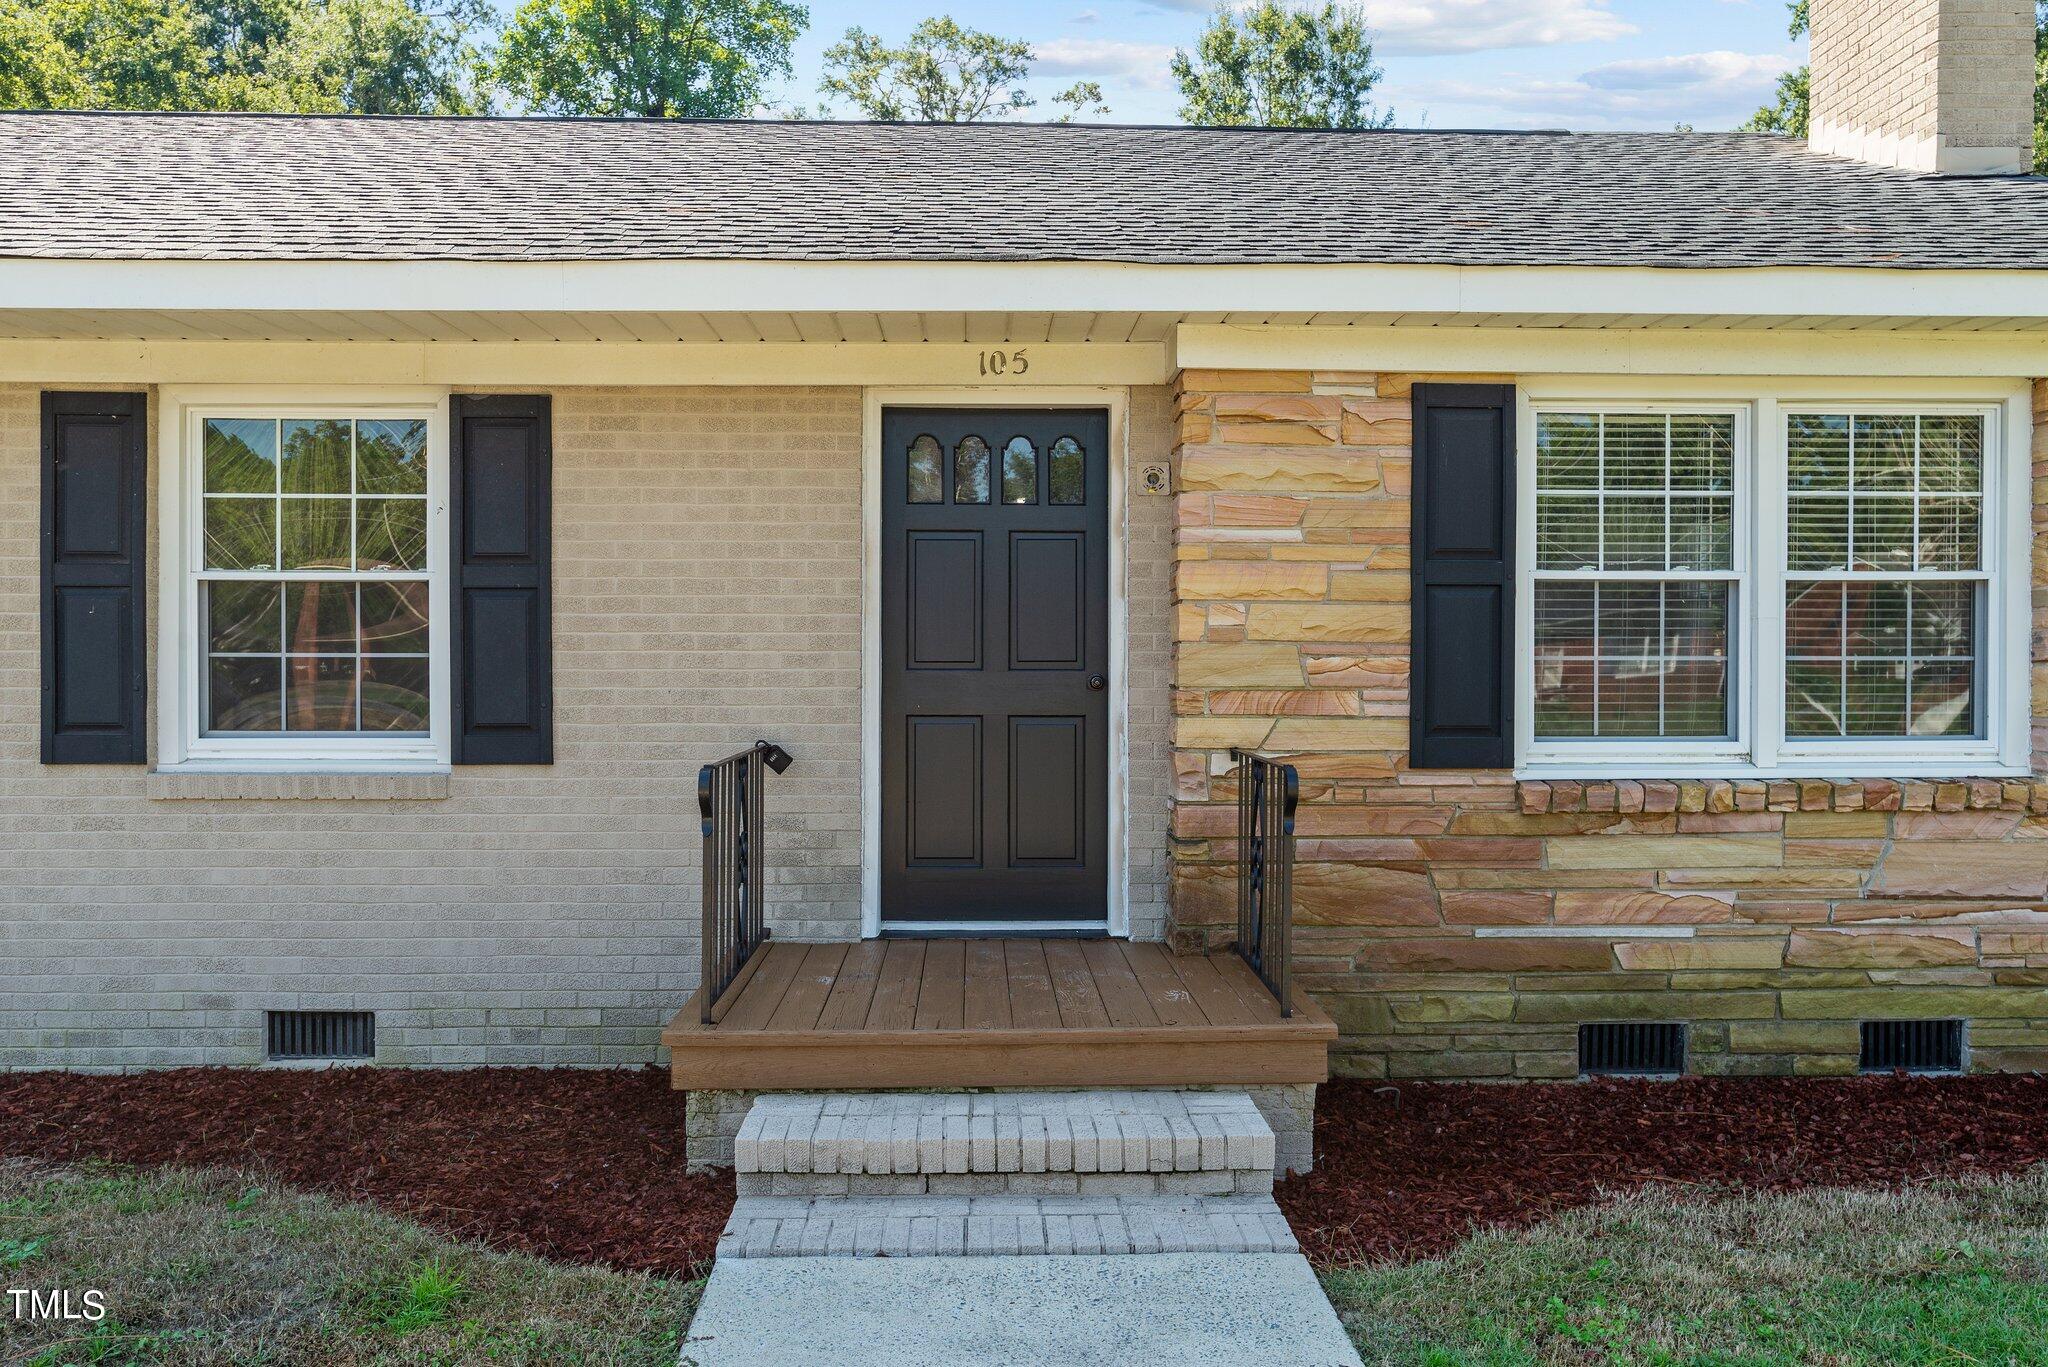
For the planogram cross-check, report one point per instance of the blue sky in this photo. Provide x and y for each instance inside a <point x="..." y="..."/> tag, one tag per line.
<point x="1587" y="64"/>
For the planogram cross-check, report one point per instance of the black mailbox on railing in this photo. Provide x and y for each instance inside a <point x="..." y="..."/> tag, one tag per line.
<point x="1267" y="794"/>
<point x="735" y="878"/>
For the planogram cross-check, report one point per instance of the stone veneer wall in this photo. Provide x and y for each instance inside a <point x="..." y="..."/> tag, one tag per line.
<point x="1429" y="905"/>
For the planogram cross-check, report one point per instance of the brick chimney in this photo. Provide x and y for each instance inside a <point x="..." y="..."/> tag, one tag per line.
<point x="1945" y="86"/>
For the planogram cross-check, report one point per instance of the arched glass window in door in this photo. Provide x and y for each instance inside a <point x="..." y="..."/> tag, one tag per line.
<point x="926" y="477"/>
<point x="970" y="471"/>
<point x="1020" y="471"/>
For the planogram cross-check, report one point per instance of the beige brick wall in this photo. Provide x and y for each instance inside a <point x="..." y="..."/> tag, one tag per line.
<point x="1931" y="85"/>
<point x="1460" y="925"/>
<point x="707" y="591"/>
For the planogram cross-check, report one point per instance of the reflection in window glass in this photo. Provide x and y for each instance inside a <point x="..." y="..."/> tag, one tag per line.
<point x="1069" y="474"/>
<point x="1020" y="471"/>
<point x="926" y="483"/>
<point x="970" y="471"/>
<point x="333" y="512"/>
<point x="1620" y="496"/>
<point x="1888" y="510"/>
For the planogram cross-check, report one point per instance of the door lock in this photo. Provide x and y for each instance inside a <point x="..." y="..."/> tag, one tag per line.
<point x="1096" y="683"/>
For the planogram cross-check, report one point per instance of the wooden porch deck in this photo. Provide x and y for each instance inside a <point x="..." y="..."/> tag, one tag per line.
<point x="996" y="1013"/>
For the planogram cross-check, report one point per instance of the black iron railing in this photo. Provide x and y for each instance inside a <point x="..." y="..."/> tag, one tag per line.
<point x="735" y="874"/>
<point x="1267" y="794"/>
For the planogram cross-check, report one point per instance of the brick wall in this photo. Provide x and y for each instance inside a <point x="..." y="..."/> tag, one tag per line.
<point x="1916" y="82"/>
<point x="1456" y="925"/>
<point x="707" y="591"/>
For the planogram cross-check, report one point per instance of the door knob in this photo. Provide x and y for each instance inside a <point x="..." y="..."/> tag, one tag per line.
<point x="1096" y="683"/>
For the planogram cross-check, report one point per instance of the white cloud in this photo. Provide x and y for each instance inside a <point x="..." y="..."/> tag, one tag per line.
<point x="1424" y="26"/>
<point x="1432" y="26"/>
<point x="1086" y="16"/>
<point x="1706" y="89"/>
<point x="1134" y="64"/>
<point x="1693" y="69"/>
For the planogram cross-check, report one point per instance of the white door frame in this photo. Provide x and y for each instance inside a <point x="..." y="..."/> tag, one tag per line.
<point x="1116" y="399"/>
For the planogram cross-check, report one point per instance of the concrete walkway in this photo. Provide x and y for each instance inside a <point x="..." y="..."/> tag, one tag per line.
<point x="1178" y="1309"/>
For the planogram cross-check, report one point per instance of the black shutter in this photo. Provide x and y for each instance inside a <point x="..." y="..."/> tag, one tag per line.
<point x="94" y="609"/>
<point x="500" y="605"/>
<point x="1461" y="686"/>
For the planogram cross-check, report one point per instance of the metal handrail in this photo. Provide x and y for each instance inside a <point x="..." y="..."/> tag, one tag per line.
<point x="735" y="874"/>
<point x="1267" y="794"/>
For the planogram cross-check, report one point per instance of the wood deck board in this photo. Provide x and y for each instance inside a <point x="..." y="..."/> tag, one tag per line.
<point x="987" y="991"/>
<point x="1122" y="996"/>
<point x="1032" y="1005"/>
<point x="854" y="992"/>
<point x="805" y="1000"/>
<point x="764" y="990"/>
<point x="942" y="991"/>
<point x="1171" y="1000"/>
<point x="1219" y="1002"/>
<point x="1073" y="986"/>
<point x="909" y="1013"/>
<point x="895" y="1004"/>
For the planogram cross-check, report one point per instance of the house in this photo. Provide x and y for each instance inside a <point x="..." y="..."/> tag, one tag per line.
<point x="1624" y="543"/>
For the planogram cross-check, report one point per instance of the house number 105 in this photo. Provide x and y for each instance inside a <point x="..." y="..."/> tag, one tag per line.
<point x="1004" y="362"/>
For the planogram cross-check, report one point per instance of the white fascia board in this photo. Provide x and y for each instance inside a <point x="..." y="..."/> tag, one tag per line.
<point x="892" y="287"/>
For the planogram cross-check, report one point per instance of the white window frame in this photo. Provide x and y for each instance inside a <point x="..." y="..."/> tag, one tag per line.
<point x="182" y="743"/>
<point x="1757" y="643"/>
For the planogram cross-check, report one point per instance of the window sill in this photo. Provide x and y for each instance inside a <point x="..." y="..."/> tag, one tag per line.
<point x="206" y="783"/>
<point x="1656" y="796"/>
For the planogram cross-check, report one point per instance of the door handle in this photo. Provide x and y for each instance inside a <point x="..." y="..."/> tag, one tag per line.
<point x="1096" y="683"/>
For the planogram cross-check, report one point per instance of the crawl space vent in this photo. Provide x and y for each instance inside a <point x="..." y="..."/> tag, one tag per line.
<point x="1912" y="1046"/>
<point x="296" y="1035"/>
<point x="1632" y="1048"/>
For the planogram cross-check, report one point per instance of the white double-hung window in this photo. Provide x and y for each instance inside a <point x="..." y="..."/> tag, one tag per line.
<point x="1782" y="585"/>
<point x="305" y="561"/>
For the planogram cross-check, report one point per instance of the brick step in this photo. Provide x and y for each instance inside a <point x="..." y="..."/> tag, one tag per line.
<point x="1027" y="1143"/>
<point x="1000" y="1226"/>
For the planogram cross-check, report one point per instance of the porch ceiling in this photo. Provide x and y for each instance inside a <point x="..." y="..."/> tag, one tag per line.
<point x="855" y="327"/>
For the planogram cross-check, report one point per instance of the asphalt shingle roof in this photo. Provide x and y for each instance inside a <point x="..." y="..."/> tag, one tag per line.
<point x="309" y="188"/>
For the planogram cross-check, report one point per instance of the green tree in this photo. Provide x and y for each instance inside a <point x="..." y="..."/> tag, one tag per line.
<point x="372" y="57"/>
<point x="1273" y="65"/>
<point x="319" y="56"/>
<point x="943" y="73"/>
<point x="652" y="58"/>
<point x="1788" y="115"/>
<point x="104" y="54"/>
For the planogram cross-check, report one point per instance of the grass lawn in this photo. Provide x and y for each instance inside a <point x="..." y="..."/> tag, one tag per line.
<point x="212" y="1267"/>
<point x="1952" y="1273"/>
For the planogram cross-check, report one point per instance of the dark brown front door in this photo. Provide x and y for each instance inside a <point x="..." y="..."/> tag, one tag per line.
<point x="995" y="665"/>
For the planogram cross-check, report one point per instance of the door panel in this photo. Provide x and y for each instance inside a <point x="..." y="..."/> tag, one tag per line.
<point x="1048" y="600"/>
<point x="945" y="790"/>
<point x="995" y="587"/>
<point x="1048" y="768"/>
<point x="944" y="600"/>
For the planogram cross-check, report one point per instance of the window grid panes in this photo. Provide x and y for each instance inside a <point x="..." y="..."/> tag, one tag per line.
<point x="1635" y="575"/>
<point x="1886" y="582"/>
<point x="313" y="583"/>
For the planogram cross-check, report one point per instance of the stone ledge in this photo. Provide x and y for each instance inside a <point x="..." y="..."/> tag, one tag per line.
<point x="1659" y="796"/>
<point x="171" y="785"/>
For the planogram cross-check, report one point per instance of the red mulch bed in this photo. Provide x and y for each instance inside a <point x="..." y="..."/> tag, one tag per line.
<point x="577" y="1165"/>
<point x="1407" y="1171"/>
<point x="587" y="1166"/>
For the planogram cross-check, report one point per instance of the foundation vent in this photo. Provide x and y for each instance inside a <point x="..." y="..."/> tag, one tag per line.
<point x="1912" y="1046"/>
<point x="1632" y="1048"/>
<point x="303" y="1035"/>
